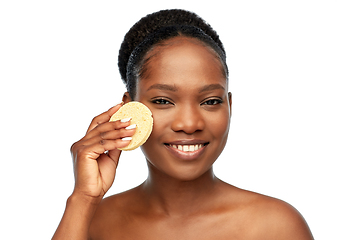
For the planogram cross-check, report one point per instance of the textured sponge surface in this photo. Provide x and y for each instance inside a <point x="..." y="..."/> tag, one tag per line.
<point x="141" y="116"/>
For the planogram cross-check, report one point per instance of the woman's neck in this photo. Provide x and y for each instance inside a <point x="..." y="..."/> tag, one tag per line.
<point x="174" y="197"/>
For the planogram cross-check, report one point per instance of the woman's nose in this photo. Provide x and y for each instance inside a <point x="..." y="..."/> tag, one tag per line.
<point x="188" y="119"/>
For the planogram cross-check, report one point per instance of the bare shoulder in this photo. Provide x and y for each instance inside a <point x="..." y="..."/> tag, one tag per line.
<point x="112" y="215"/>
<point x="266" y="217"/>
<point x="281" y="220"/>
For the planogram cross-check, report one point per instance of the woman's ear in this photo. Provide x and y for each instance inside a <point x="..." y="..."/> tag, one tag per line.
<point x="230" y="101"/>
<point x="126" y="97"/>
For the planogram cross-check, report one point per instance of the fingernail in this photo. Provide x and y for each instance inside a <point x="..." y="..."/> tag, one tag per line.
<point x="131" y="127"/>
<point x="125" y="119"/>
<point x="126" y="138"/>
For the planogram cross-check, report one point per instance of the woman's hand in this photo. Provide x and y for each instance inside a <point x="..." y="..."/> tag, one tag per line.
<point x="95" y="159"/>
<point x="96" y="155"/>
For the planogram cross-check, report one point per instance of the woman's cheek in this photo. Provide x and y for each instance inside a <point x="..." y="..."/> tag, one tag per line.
<point x="220" y="124"/>
<point x="160" y="117"/>
<point x="160" y="124"/>
<point x="220" y="118"/>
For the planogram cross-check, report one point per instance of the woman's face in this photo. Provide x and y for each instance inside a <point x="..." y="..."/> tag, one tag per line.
<point x="187" y="92"/>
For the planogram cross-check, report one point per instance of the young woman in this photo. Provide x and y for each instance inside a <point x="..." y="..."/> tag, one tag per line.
<point x="175" y="64"/>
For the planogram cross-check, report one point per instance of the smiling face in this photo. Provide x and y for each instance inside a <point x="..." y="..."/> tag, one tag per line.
<point x="186" y="90"/>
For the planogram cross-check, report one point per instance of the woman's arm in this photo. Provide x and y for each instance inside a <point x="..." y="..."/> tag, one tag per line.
<point x="77" y="218"/>
<point x="95" y="159"/>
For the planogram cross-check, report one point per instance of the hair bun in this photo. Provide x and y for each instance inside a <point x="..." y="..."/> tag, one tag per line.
<point x="151" y="23"/>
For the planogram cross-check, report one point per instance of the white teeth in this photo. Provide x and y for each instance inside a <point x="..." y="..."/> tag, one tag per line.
<point x="187" y="148"/>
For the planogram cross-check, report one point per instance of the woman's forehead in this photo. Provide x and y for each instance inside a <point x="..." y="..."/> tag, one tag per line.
<point x="180" y="57"/>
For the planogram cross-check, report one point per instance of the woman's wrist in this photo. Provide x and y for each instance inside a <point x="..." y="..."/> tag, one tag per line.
<point x="83" y="199"/>
<point x="77" y="217"/>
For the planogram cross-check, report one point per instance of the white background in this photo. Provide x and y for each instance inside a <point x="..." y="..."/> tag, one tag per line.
<point x="294" y="74"/>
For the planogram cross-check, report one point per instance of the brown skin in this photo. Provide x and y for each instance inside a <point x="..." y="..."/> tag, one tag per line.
<point x="181" y="199"/>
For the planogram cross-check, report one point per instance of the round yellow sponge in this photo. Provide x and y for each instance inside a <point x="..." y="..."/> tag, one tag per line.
<point x="141" y="116"/>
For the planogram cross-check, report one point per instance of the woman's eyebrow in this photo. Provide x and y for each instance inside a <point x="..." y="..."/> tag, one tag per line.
<point x="165" y="87"/>
<point x="211" y="87"/>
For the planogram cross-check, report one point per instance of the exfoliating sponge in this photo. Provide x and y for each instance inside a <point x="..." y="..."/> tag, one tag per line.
<point x="141" y="116"/>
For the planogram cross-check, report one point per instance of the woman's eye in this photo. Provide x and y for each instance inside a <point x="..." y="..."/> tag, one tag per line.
<point x="161" y="101"/>
<point x="212" y="102"/>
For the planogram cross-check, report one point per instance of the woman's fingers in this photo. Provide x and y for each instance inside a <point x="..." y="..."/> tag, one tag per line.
<point x="114" y="155"/>
<point x="104" y="117"/>
<point x="106" y="129"/>
<point x="93" y="151"/>
<point x="101" y="137"/>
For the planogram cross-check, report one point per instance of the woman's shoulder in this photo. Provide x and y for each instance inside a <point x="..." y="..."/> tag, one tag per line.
<point x="266" y="216"/>
<point x="113" y="213"/>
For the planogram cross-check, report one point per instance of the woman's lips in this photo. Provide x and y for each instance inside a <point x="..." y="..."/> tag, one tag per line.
<point x="187" y="150"/>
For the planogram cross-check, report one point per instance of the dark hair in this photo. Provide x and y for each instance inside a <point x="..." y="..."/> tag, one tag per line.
<point x="154" y="29"/>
